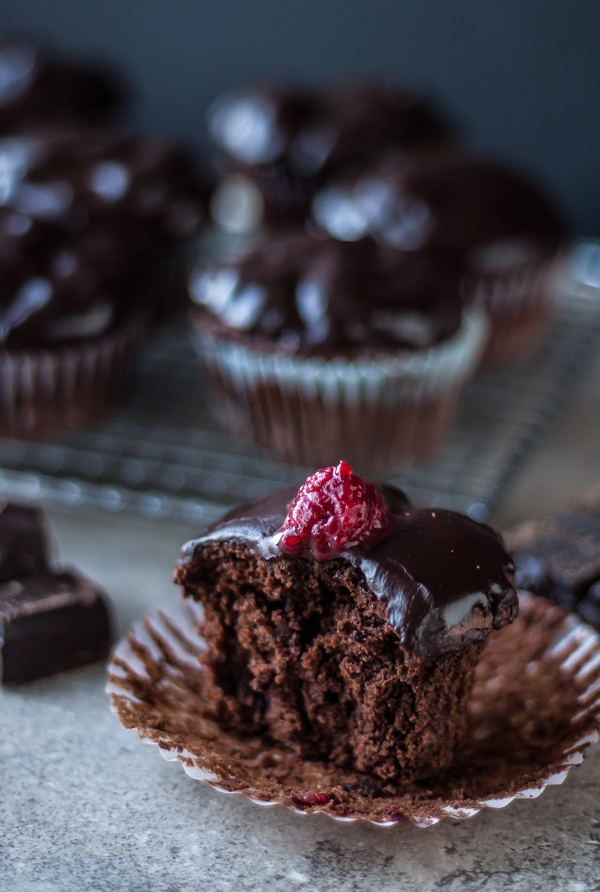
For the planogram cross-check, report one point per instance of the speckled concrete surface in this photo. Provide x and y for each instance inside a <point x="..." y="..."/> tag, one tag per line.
<point x="85" y="807"/>
<point x="88" y="807"/>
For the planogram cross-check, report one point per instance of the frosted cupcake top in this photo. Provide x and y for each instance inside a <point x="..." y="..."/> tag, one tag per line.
<point x="299" y="294"/>
<point x="456" y="204"/>
<point x="309" y="130"/>
<point x="80" y="210"/>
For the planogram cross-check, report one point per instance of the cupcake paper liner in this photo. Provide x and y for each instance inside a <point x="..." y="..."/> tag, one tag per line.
<point x="520" y="303"/>
<point x="380" y="412"/>
<point x="46" y="389"/>
<point x="534" y="709"/>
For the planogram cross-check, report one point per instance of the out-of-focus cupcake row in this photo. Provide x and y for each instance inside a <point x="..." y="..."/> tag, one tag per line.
<point x="372" y="260"/>
<point x="91" y="217"/>
<point x="383" y="262"/>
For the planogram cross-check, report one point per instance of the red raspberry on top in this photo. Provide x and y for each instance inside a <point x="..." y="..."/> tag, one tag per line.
<point x="334" y="510"/>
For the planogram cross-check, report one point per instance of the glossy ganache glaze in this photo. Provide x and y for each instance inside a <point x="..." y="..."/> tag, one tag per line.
<point x="306" y="131"/>
<point x="84" y="213"/>
<point x="299" y="294"/>
<point x="455" y="204"/>
<point x="447" y="580"/>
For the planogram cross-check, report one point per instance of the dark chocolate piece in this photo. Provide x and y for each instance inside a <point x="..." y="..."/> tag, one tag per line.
<point x="298" y="294"/>
<point x="22" y="541"/>
<point x="558" y="557"/>
<point x="446" y="580"/>
<point x="50" y="622"/>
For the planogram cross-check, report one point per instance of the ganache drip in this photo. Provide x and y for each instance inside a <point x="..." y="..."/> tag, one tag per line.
<point x="447" y="580"/>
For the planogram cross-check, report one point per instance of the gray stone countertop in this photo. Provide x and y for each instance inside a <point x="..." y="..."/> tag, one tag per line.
<point x="85" y="807"/>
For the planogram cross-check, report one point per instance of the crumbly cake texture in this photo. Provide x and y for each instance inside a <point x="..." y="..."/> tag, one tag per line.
<point x="301" y="653"/>
<point x="514" y="740"/>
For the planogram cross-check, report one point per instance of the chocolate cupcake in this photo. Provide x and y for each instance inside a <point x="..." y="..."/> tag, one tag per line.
<point x="345" y="624"/>
<point x="70" y="316"/>
<point x="317" y="347"/>
<point x="276" y="146"/>
<point x="498" y="223"/>
<point x="144" y="190"/>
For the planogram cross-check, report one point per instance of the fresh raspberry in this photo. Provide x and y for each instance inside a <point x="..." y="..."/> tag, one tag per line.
<point x="335" y="510"/>
<point x="309" y="800"/>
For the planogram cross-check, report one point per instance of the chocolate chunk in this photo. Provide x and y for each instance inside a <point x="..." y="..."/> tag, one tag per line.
<point x="558" y="558"/>
<point x="50" y="622"/>
<point x="22" y="541"/>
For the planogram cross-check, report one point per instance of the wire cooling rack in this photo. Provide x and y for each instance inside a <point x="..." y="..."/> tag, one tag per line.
<point x="161" y="455"/>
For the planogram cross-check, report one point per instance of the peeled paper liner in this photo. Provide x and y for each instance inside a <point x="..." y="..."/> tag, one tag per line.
<point x="534" y="709"/>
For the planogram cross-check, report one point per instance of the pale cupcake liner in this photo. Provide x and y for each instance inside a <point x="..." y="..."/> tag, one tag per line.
<point x="382" y="411"/>
<point x="520" y="303"/>
<point x="155" y="685"/>
<point x="42" y="390"/>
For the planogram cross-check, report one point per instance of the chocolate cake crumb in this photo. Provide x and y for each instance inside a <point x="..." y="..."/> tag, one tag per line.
<point x="301" y="653"/>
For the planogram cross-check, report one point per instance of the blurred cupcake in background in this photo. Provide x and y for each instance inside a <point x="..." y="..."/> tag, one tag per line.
<point x="143" y="189"/>
<point x="316" y="347"/>
<point x="71" y="314"/>
<point x="92" y="219"/>
<point x="275" y="146"/>
<point x="497" y="223"/>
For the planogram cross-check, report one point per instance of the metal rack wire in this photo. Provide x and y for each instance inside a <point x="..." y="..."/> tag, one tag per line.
<point x="161" y="455"/>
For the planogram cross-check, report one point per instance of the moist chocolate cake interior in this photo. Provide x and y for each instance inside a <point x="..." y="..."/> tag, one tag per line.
<point x="300" y="652"/>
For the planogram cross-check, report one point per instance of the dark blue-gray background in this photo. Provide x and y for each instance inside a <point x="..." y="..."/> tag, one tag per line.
<point x="522" y="76"/>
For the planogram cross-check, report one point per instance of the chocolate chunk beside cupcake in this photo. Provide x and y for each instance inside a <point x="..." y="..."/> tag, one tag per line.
<point x="558" y="557"/>
<point x="345" y="624"/>
<point x="49" y="620"/>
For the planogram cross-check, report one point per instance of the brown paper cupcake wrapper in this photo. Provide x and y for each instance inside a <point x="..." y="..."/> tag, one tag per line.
<point x="45" y="390"/>
<point x="520" y="304"/>
<point x="378" y="412"/>
<point x="534" y="709"/>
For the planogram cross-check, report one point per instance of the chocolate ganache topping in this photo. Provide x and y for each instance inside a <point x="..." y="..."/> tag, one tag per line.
<point x="298" y="294"/>
<point x="81" y="211"/>
<point x="310" y="130"/>
<point x="446" y="579"/>
<point x="453" y="204"/>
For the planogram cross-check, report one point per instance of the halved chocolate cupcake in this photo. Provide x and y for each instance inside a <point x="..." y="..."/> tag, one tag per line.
<point x="345" y="624"/>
